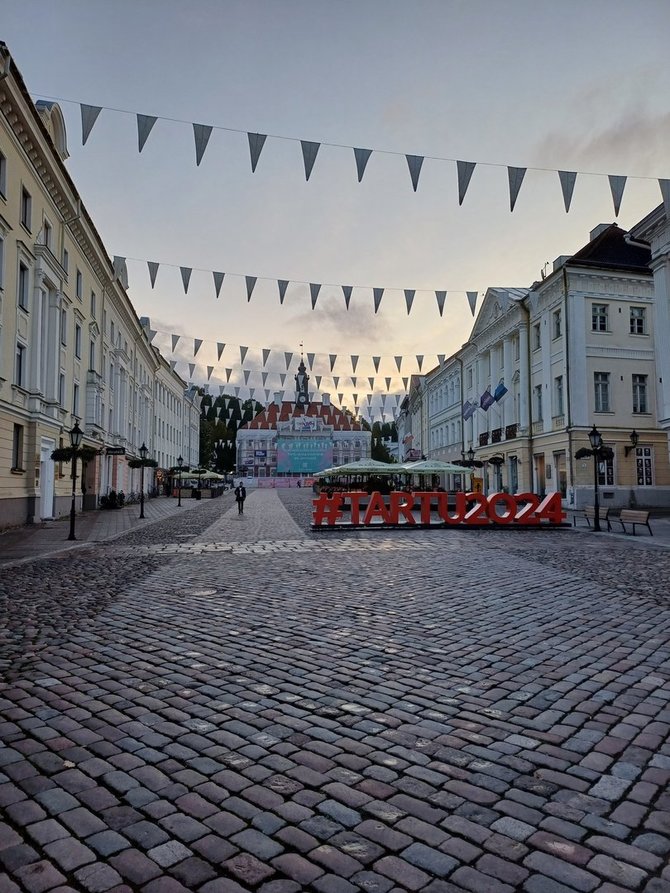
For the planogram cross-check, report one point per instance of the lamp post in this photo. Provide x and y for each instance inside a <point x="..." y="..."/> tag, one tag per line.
<point x="180" y="462"/>
<point x="76" y="435"/>
<point x="143" y="457"/>
<point x="596" y="441"/>
<point x="634" y="440"/>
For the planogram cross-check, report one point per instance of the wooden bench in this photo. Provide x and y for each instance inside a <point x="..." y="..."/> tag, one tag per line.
<point x="590" y="515"/>
<point x="633" y="517"/>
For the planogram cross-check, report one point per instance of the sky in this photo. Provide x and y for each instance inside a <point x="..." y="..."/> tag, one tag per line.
<point x="578" y="85"/>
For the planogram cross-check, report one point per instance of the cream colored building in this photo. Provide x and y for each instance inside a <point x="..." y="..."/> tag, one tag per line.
<point x="71" y="345"/>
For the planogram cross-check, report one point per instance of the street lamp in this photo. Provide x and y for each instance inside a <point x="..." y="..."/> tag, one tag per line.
<point x="634" y="439"/>
<point x="596" y="441"/>
<point x="471" y="454"/>
<point x="143" y="457"/>
<point x="180" y="462"/>
<point x="76" y="435"/>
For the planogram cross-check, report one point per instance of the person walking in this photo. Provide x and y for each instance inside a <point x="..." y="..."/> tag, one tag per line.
<point x="240" y="496"/>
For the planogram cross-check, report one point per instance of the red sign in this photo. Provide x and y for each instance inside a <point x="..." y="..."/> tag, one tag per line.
<point x="435" y="509"/>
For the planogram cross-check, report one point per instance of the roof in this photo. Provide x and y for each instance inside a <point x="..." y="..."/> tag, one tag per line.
<point x="610" y="249"/>
<point x="267" y="418"/>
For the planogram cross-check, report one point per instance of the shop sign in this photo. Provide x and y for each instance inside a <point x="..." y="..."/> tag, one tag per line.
<point x="116" y="451"/>
<point x="356" y="509"/>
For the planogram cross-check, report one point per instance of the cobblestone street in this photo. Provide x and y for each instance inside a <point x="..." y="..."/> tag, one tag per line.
<point x="223" y="703"/>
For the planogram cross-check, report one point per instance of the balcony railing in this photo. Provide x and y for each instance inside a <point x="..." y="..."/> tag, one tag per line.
<point x="510" y="432"/>
<point x="538" y="427"/>
<point x="496" y="435"/>
<point x="484" y="438"/>
<point x="558" y="423"/>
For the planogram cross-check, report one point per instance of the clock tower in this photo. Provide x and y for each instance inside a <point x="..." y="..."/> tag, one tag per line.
<point x="301" y="379"/>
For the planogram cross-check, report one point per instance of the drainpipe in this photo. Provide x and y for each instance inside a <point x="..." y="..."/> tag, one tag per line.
<point x="568" y="401"/>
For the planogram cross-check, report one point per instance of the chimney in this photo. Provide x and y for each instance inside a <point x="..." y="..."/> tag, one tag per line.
<point x="599" y="229"/>
<point x="325" y="399"/>
<point x="560" y="261"/>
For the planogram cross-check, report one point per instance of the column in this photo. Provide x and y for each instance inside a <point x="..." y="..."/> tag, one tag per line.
<point x="507" y="405"/>
<point x="54" y="305"/>
<point x="34" y="382"/>
<point x="524" y="376"/>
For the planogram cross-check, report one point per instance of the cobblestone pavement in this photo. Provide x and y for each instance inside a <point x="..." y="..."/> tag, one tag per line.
<point x="223" y="703"/>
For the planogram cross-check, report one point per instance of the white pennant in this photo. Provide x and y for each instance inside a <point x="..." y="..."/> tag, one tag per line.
<point x="220" y="347"/>
<point x="419" y="361"/>
<point x="283" y="284"/>
<point x="201" y="133"/>
<point x="414" y="163"/>
<point x="314" y="290"/>
<point x="515" y="176"/>
<point x="441" y="297"/>
<point x="346" y="290"/>
<point x="266" y="354"/>
<point x="354" y="363"/>
<point x="332" y="357"/>
<point x="288" y="357"/>
<point x="377" y="292"/>
<point x="197" y="344"/>
<point x="465" y="169"/>
<point x="186" y="277"/>
<point x="617" y="185"/>
<point x="218" y="282"/>
<point x="153" y="271"/>
<point x="375" y="361"/>
<point x="175" y="341"/>
<point x="251" y="282"/>
<point x="362" y="157"/>
<point x="256" y="143"/>
<point x="145" y="125"/>
<point x="398" y="362"/>
<point x="89" y="115"/>
<point x="309" y="153"/>
<point x="567" y="179"/>
<point x="409" y="298"/>
<point x="210" y="369"/>
<point x="472" y="301"/>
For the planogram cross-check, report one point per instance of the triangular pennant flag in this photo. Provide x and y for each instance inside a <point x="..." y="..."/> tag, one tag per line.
<point x="397" y="399"/>
<point x="414" y="163"/>
<point x="191" y="369"/>
<point x="404" y="383"/>
<point x="419" y="360"/>
<point x="318" y="378"/>
<point x="441" y="358"/>
<point x="314" y="290"/>
<point x="210" y="369"/>
<point x="246" y="375"/>
<point x="309" y="153"/>
<point x="617" y="185"/>
<point x="377" y="292"/>
<point x="354" y="379"/>
<point x="282" y="378"/>
<point x="89" y="115"/>
<point x="372" y="382"/>
<point x="202" y="133"/>
<point x="441" y="298"/>
<point x="465" y="169"/>
<point x="369" y="398"/>
<point x="384" y="396"/>
<point x="354" y="363"/>
<point x="267" y="395"/>
<point x="264" y="377"/>
<point x="152" y="334"/>
<point x="186" y="277"/>
<point x="173" y="365"/>
<point x="398" y="362"/>
<point x="567" y="179"/>
<point x="665" y="192"/>
<point x="310" y="360"/>
<point x="336" y="380"/>
<point x="228" y="374"/>
<point x="347" y="289"/>
<point x="256" y="143"/>
<point x="283" y="284"/>
<point x="153" y="271"/>
<point x="175" y="341"/>
<point x="243" y="353"/>
<point x="218" y="282"/>
<point x="409" y="298"/>
<point x="288" y="357"/>
<point x="362" y="157"/>
<point x="221" y="390"/>
<point x="237" y="391"/>
<point x="340" y="398"/>
<point x="375" y="361"/>
<point x="332" y="357"/>
<point x="197" y="344"/>
<point x="355" y="396"/>
<point x="252" y="391"/>
<point x="251" y="282"/>
<point x="145" y="124"/>
<point x="220" y="347"/>
<point x="515" y="176"/>
<point x="472" y="301"/>
<point x="266" y="354"/>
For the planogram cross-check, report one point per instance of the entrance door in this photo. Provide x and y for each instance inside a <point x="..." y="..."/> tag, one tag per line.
<point x="47" y="479"/>
<point x="539" y="474"/>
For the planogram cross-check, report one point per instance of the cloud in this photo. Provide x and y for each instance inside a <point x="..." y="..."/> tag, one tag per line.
<point x="343" y="325"/>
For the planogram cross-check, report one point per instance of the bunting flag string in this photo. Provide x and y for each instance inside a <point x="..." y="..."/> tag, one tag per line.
<point x="310" y="148"/>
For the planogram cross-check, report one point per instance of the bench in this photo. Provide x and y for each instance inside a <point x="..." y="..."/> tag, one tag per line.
<point x="590" y="515"/>
<point x="633" y="517"/>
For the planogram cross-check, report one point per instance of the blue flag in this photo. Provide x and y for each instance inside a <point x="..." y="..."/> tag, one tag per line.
<point x="486" y="400"/>
<point x="500" y="391"/>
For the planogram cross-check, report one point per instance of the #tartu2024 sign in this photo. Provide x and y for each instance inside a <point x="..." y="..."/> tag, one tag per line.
<point x="360" y="509"/>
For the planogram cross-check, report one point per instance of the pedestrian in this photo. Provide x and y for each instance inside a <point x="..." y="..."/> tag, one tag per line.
<point x="240" y="496"/>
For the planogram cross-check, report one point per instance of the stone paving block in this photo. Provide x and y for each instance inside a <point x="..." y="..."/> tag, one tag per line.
<point x="69" y="853"/>
<point x="39" y="877"/>
<point x="401" y="872"/>
<point x="618" y="871"/>
<point x="297" y="868"/>
<point x="562" y="872"/>
<point x="256" y="843"/>
<point x="98" y="878"/>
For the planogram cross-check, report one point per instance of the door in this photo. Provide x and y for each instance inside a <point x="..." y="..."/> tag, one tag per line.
<point x="47" y="479"/>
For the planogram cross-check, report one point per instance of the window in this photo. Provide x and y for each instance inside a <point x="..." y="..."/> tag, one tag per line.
<point x="75" y="399"/>
<point x="91" y="356"/>
<point x="23" y="286"/>
<point x="606" y="472"/>
<point x="599" y="317"/>
<point x="17" y="448"/>
<point x="558" y="395"/>
<point x="47" y="234"/>
<point x="517" y="347"/>
<point x="640" y="393"/>
<point x="80" y="285"/>
<point x="537" y="390"/>
<point x="66" y="260"/>
<point x="537" y="337"/>
<point x="63" y="326"/>
<point x="93" y="304"/>
<point x="601" y="381"/>
<point x="61" y="389"/>
<point x="644" y="466"/>
<point x="3" y="175"/>
<point x="638" y="321"/>
<point x="557" y="323"/>
<point x="26" y="208"/>
<point x="77" y="341"/>
<point x="104" y="322"/>
<point x="20" y="366"/>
